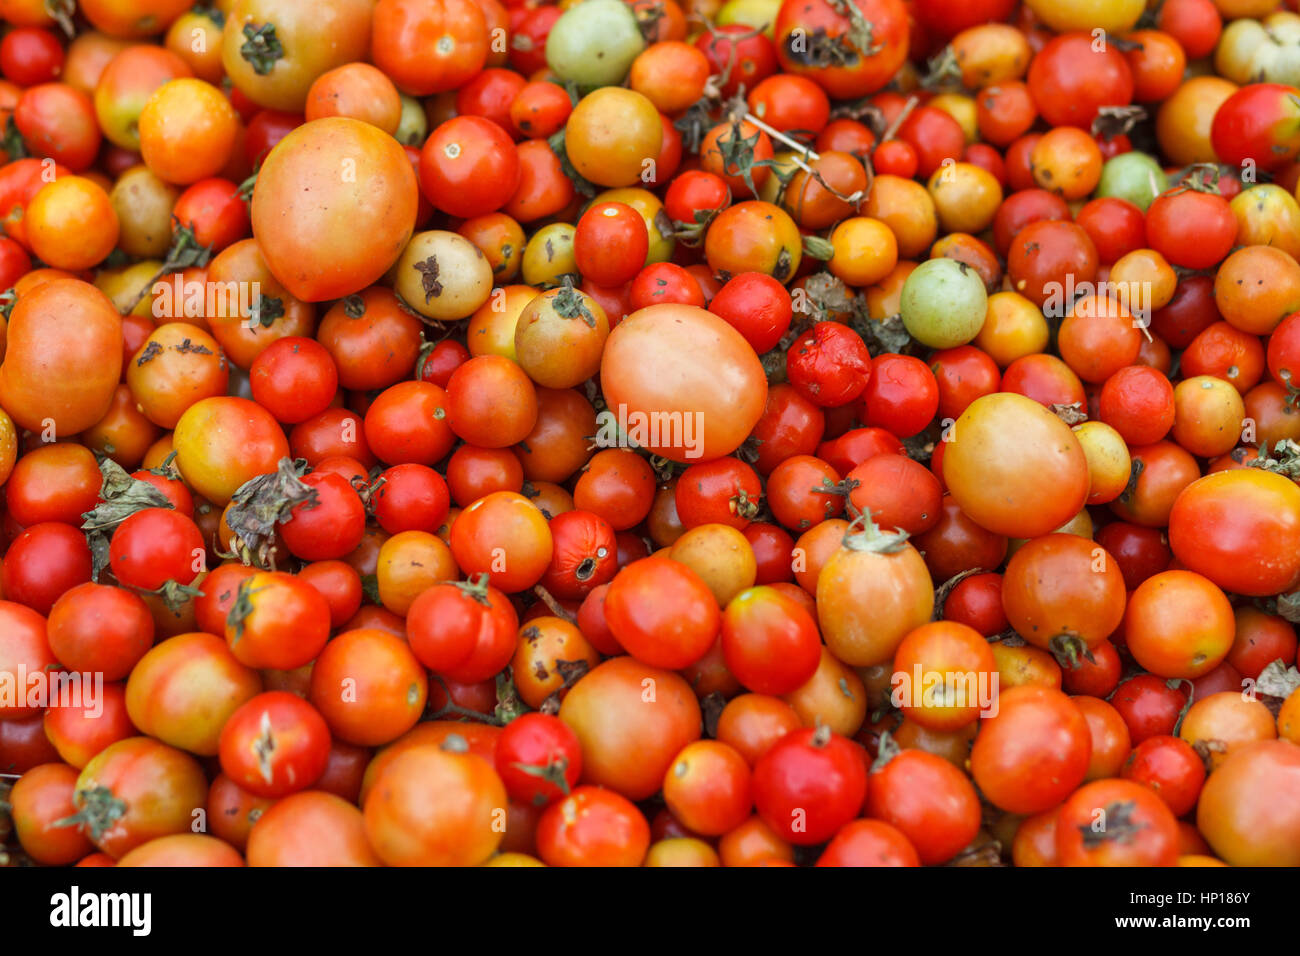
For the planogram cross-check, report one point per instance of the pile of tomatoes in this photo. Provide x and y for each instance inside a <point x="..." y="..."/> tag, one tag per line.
<point x="667" y="432"/>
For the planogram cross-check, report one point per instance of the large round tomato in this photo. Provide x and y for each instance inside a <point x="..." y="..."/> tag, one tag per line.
<point x="436" y="807"/>
<point x="632" y="720"/>
<point x="333" y="208"/>
<point x="310" y="829"/>
<point x="848" y="55"/>
<point x="1241" y="529"/>
<point x="62" y="359"/>
<point x="682" y="382"/>
<point x="871" y="592"/>
<point x="184" y="690"/>
<point x="136" y="790"/>
<point x="1244" y="812"/>
<point x="662" y="613"/>
<point x="928" y="799"/>
<point x="1014" y="467"/>
<point x="1033" y="752"/>
<point x="24" y="653"/>
<point x="273" y="51"/>
<point x="40" y="799"/>
<point x="1116" y="823"/>
<point x="223" y="442"/>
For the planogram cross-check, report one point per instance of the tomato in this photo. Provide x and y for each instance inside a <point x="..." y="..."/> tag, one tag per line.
<point x="769" y="641"/>
<point x="538" y="758"/>
<point x="277" y="621"/>
<point x="928" y="800"/>
<point x="1175" y="212"/>
<point x="274" y="744"/>
<point x="1260" y="639"/>
<point x="871" y="592"/>
<point x="817" y="40"/>
<point x="717" y="391"/>
<point x="373" y="340"/>
<point x="942" y="674"/>
<point x="294" y="379"/>
<point x="611" y="243"/>
<point x="829" y="365"/>
<point x="1149" y="706"/>
<point x="1241" y="811"/>
<point x="408" y="563"/>
<point x="188" y="671"/>
<point x="134" y="791"/>
<point x="369" y="687"/>
<point x="662" y="613"/>
<point x="78" y="732"/>
<point x="1116" y="823"/>
<point x="593" y="827"/>
<point x="808" y="785"/>
<point x="1072" y="78"/>
<point x="42" y="563"/>
<point x="1061" y="591"/>
<point x="310" y="828"/>
<point x="469" y="167"/>
<point x="358" y="90"/>
<point x="30" y="55"/>
<point x="1171" y="768"/>
<point x="1035" y="728"/>
<point x="39" y="800"/>
<point x="753" y="237"/>
<point x="707" y="788"/>
<point x="504" y="536"/>
<point x="585" y="554"/>
<point x="902" y="395"/>
<point x="1184" y="604"/>
<point x="625" y="745"/>
<point x="375" y="201"/>
<point x="560" y="334"/>
<point x="222" y="442"/>
<point x="611" y="135"/>
<point x="1257" y="124"/>
<point x="97" y="628"/>
<point x="987" y="463"/>
<point x="1233" y="527"/>
<point x="55" y="374"/>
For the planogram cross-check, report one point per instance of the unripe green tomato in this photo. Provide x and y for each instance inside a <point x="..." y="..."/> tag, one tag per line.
<point x="594" y="43"/>
<point x="1134" y="176"/>
<point x="413" y="127"/>
<point x="943" y="303"/>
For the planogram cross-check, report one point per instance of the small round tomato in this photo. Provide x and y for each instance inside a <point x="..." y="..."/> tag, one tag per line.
<point x="538" y="758"/>
<point x="931" y="802"/>
<point x="662" y="613"/>
<point x="275" y="744"/>
<point x="593" y="827"/>
<point x="809" y="784"/>
<point x="277" y="621"/>
<point x="1170" y="767"/>
<point x="769" y="641"/>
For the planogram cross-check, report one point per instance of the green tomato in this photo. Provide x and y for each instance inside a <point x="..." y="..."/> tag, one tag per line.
<point x="413" y="127"/>
<point x="594" y="43"/>
<point x="1134" y="176"/>
<point x="943" y="303"/>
